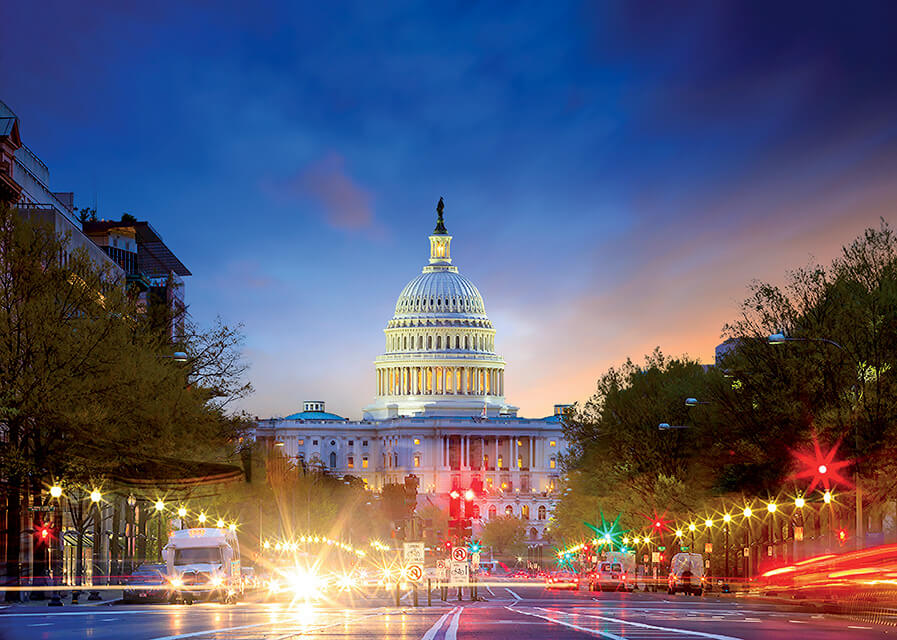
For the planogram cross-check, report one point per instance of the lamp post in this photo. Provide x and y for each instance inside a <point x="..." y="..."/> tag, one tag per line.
<point x="55" y="601"/>
<point x="130" y="538"/>
<point x="182" y="513"/>
<point x="747" y="513"/>
<point x="160" y="507"/>
<point x="781" y="338"/>
<point x="726" y="520"/>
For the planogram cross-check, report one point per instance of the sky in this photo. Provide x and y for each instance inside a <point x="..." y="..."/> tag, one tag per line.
<point x="615" y="173"/>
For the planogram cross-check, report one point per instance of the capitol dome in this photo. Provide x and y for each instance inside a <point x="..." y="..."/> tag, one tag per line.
<point x="440" y="357"/>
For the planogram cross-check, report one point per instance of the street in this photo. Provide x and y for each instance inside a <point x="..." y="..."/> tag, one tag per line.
<point x="523" y="611"/>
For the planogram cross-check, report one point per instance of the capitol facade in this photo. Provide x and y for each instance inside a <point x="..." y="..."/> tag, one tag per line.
<point x="439" y="410"/>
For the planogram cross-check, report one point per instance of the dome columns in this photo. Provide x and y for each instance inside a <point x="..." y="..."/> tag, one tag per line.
<point x="440" y="380"/>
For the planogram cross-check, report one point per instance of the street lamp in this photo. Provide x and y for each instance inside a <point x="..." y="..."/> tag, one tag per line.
<point x="799" y="502"/>
<point x="220" y="524"/>
<point x="202" y="518"/>
<point x="96" y="496"/>
<point x="232" y="526"/>
<point x="56" y="491"/>
<point x="726" y="520"/>
<point x="177" y="356"/>
<point x="781" y="338"/>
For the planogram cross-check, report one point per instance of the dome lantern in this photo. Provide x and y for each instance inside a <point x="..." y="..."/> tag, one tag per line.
<point x="440" y="240"/>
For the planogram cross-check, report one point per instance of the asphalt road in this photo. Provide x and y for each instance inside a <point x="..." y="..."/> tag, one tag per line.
<point x="516" y="611"/>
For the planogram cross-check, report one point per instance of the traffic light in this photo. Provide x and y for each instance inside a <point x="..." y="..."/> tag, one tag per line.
<point x="657" y="524"/>
<point x="842" y="536"/>
<point x="44" y="532"/>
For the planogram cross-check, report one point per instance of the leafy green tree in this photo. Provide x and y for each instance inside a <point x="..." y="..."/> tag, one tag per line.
<point x="505" y="535"/>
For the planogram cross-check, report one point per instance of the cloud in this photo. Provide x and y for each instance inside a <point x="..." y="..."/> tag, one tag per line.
<point x="343" y="203"/>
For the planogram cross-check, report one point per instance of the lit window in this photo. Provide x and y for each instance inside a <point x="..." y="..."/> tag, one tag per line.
<point x="542" y="512"/>
<point x="509" y="510"/>
<point x="500" y="462"/>
<point x="552" y="463"/>
<point x="350" y="462"/>
<point x="364" y="462"/>
<point x="519" y="463"/>
<point x="552" y="443"/>
<point x="417" y="460"/>
<point x="301" y="441"/>
<point x="524" y="512"/>
<point x="417" y="441"/>
<point x="351" y="443"/>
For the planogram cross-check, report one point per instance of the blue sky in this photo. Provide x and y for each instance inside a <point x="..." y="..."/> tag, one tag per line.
<point x="614" y="173"/>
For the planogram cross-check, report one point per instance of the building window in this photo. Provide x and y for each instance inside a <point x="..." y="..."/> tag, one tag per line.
<point x="417" y="441"/>
<point x="333" y="443"/>
<point x="364" y="462"/>
<point x="301" y="442"/>
<point x="351" y="443"/>
<point x="552" y="464"/>
<point x="500" y="463"/>
<point x="416" y="459"/>
<point x="395" y="459"/>
<point x="314" y="443"/>
<point x="520" y="463"/>
<point x="492" y="512"/>
<point x="350" y="462"/>
<point x="364" y="443"/>
<point x="552" y="443"/>
<point x="509" y="510"/>
<point x="333" y="460"/>
<point x="542" y="512"/>
<point x="524" y="512"/>
<point x="533" y="534"/>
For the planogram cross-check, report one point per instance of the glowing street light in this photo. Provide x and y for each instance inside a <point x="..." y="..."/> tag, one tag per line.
<point x="827" y="497"/>
<point x="748" y="512"/>
<point x="182" y="512"/>
<point x="469" y="495"/>
<point x="678" y="533"/>
<point x="799" y="502"/>
<point x="691" y="527"/>
<point x="727" y="518"/>
<point x="220" y="524"/>
<point x="708" y="523"/>
<point x="160" y="506"/>
<point x="202" y="518"/>
<point x="55" y="491"/>
<point x="95" y="496"/>
<point x="771" y="507"/>
<point x="232" y="526"/>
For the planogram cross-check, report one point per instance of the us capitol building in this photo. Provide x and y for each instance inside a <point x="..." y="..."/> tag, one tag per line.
<point x="439" y="411"/>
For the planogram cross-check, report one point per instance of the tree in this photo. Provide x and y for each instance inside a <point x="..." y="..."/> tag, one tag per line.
<point x="505" y="534"/>
<point x="87" y="387"/>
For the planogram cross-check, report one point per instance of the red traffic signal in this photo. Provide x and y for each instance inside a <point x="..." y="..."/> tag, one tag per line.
<point x="454" y="495"/>
<point x="842" y="535"/>
<point x="44" y="533"/>
<point x="469" y="495"/>
<point x="657" y="524"/>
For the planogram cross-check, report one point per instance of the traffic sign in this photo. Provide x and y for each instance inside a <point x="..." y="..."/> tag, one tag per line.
<point x="440" y="564"/>
<point x="414" y="572"/>
<point x="708" y="547"/>
<point x="414" y="553"/>
<point x="459" y="554"/>
<point x="655" y="556"/>
<point x="475" y="560"/>
<point x="458" y="574"/>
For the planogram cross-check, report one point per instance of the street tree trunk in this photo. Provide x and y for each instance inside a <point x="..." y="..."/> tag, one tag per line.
<point x="13" y="536"/>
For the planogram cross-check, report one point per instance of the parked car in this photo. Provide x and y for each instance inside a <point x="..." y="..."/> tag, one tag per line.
<point x="148" y="583"/>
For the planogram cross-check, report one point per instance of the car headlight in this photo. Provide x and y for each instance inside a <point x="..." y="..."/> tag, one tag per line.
<point x="304" y="584"/>
<point x="217" y="581"/>
<point x="177" y="582"/>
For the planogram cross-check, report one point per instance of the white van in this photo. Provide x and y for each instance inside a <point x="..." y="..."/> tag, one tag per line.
<point x="686" y="574"/>
<point x="204" y="564"/>
<point x="616" y="572"/>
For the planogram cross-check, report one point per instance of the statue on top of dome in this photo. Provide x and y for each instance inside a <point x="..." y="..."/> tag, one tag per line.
<point x="440" y="225"/>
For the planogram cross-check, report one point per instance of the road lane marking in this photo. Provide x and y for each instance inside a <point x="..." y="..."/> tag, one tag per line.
<point x="48" y="624"/>
<point x="432" y="631"/>
<point x="262" y="624"/>
<point x="603" y="634"/>
<point x="799" y="621"/>
<point x="850" y="626"/>
<point x="516" y="597"/>
<point x="700" y="634"/>
<point x="489" y="589"/>
<point x="452" y="633"/>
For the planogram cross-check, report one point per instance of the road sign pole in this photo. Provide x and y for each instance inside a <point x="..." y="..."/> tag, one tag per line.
<point x="397" y="593"/>
<point x="429" y="593"/>
<point x="414" y="594"/>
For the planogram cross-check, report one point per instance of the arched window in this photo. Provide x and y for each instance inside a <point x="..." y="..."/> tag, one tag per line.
<point x="492" y="512"/>
<point x="439" y="342"/>
<point x="466" y="343"/>
<point x="509" y="510"/>
<point x="405" y="343"/>
<point x="542" y="512"/>
<point x="524" y="512"/>
<point x="333" y="460"/>
<point x="476" y="511"/>
<point x="420" y="342"/>
<point x="429" y="342"/>
<point x="533" y="534"/>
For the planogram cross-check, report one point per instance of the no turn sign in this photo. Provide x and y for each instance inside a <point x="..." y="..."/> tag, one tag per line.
<point x="414" y="572"/>
<point x="459" y="554"/>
